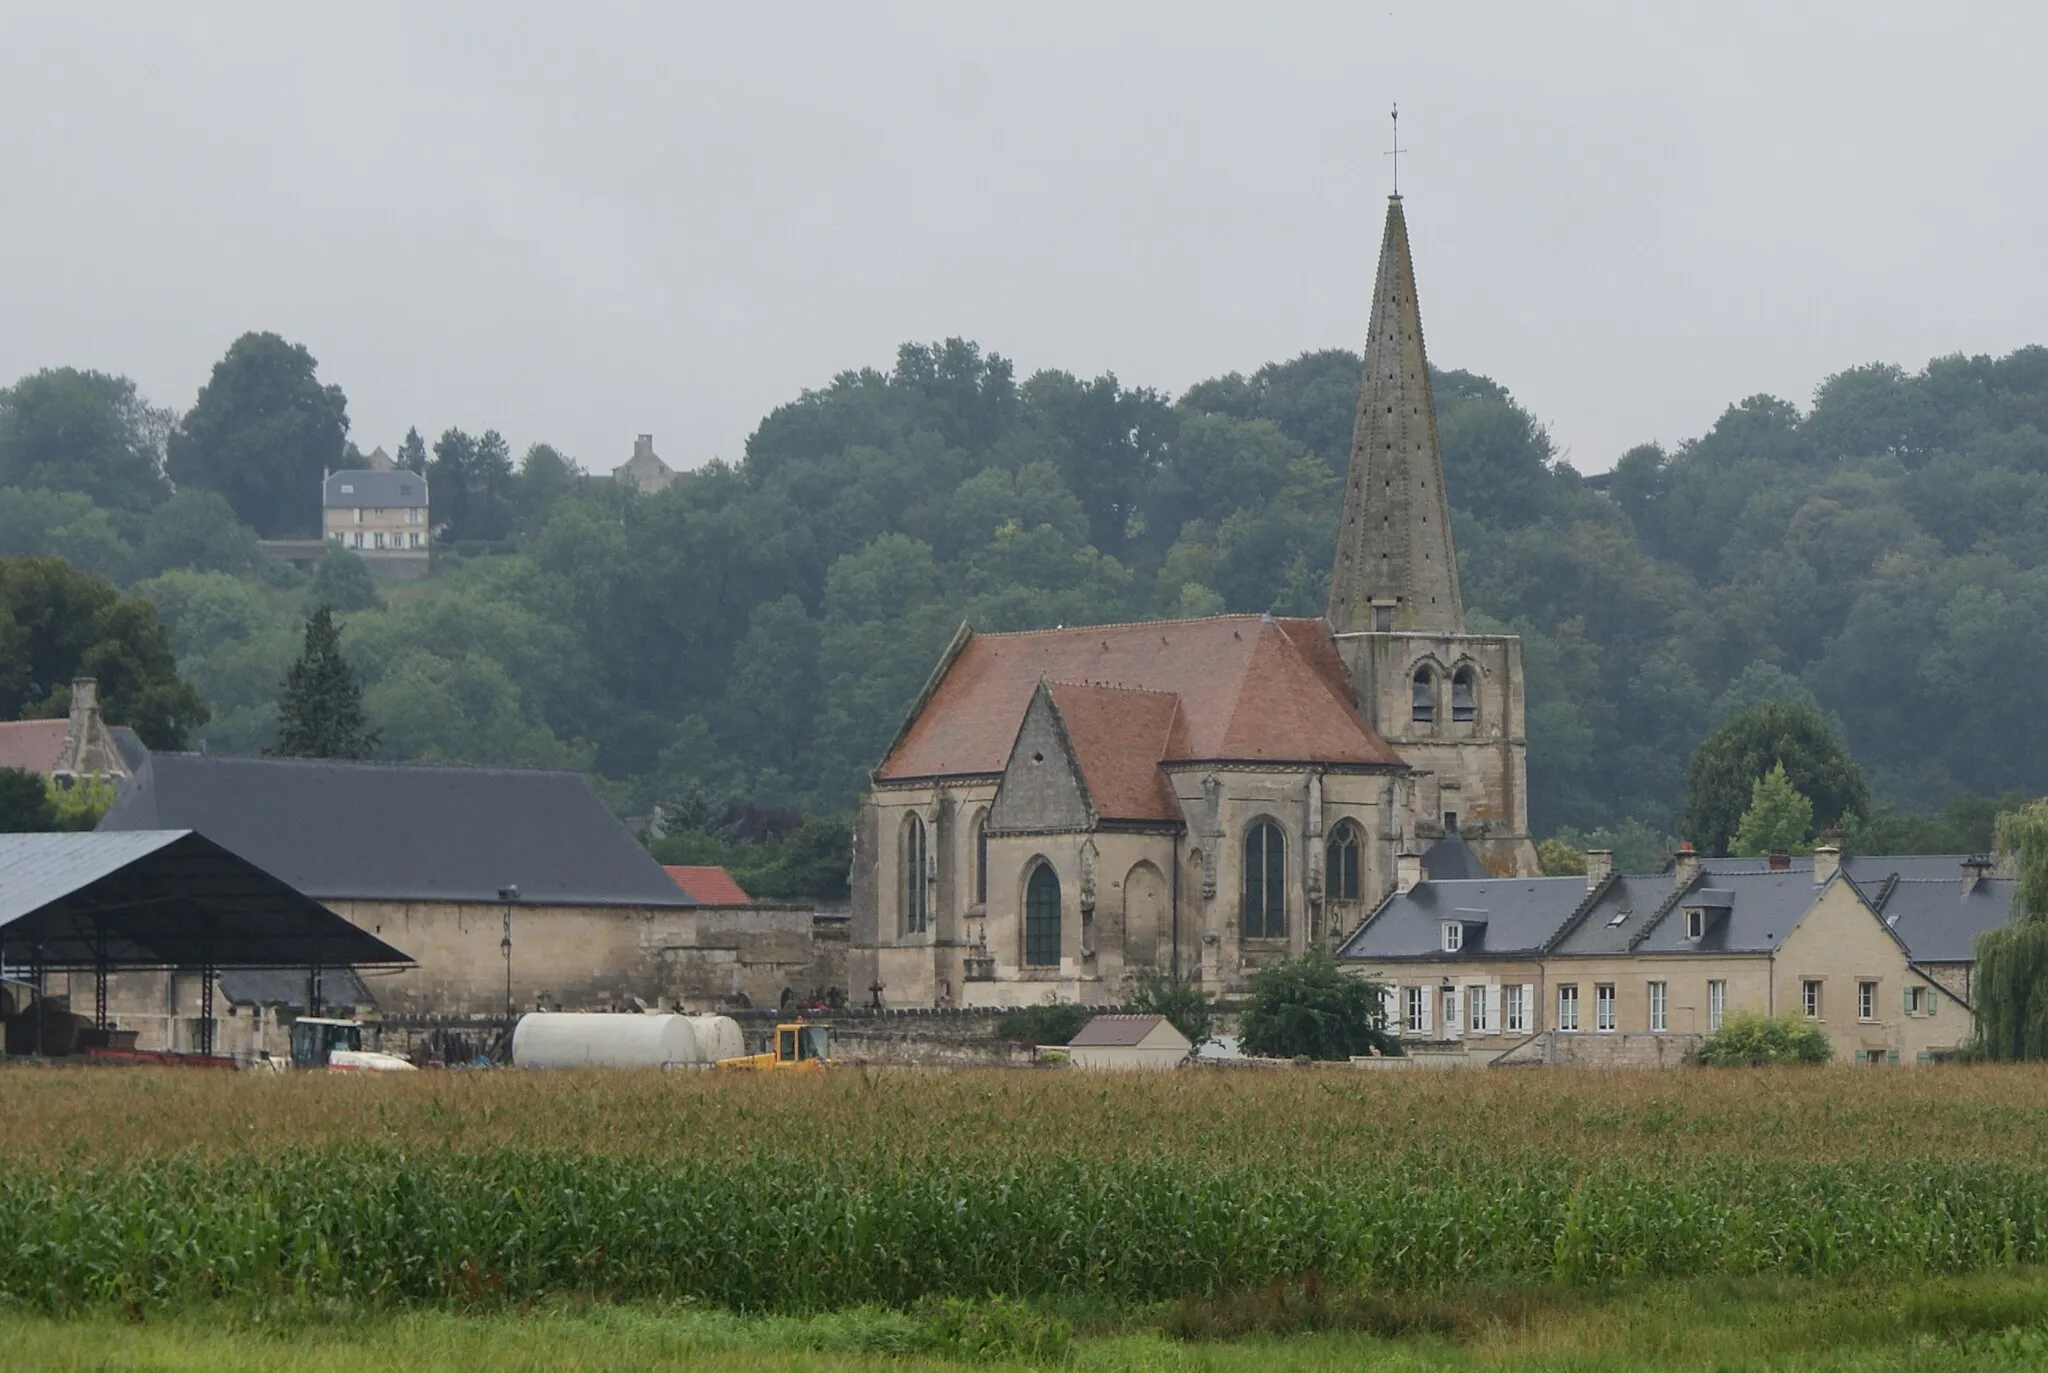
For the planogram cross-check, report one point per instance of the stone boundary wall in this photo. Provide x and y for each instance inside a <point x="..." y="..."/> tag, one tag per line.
<point x="1594" y="1050"/>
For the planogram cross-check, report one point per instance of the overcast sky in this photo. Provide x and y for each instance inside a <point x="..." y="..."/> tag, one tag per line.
<point x="580" y="222"/>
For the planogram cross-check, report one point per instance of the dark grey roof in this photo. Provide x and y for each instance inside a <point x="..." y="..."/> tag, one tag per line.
<point x="1115" y="1031"/>
<point x="1450" y="859"/>
<point x="1627" y="907"/>
<point x="1766" y="906"/>
<point x="130" y="746"/>
<point x="1936" y="921"/>
<point x="1520" y="913"/>
<point x="403" y="832"/>
<point x="394" y="490"/>
<point x="291" y="988"/>
<point x="162" y="898"/>
<point x="1871" y="869"/>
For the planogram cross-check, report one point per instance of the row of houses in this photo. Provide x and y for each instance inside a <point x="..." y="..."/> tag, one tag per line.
<point x="1615" y="968"/>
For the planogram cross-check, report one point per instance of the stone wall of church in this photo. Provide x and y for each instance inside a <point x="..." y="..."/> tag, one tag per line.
<point x="1462" y="722"/>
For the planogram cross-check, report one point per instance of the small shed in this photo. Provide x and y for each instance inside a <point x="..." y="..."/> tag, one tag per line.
<point x="1128" y="1041"/>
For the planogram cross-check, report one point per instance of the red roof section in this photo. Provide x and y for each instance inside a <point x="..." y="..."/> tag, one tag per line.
<point x="1120" y="737"/>
<point x="32" y="745"/>
<point x="1249" y="689"/>
<point x="711" y="886"/>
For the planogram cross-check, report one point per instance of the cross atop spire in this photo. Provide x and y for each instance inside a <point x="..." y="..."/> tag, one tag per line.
<point x="1396" y="151"/>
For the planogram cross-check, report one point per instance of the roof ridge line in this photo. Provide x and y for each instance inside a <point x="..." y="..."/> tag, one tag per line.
<point x="1578" y="913"/>
<point x="1113" y="686"/>
<point x="1132" y="624"/>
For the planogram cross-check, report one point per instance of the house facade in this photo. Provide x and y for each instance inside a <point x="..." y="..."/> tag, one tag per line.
<point x="1065" y="809"/>
<point x="381" y="514"/>
<point x="1626" y="969"/>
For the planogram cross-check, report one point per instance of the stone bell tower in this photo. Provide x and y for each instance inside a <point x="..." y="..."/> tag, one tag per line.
<point x="1449" y="702"/>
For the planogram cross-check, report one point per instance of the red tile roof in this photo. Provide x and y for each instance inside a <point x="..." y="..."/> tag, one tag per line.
<point x="1250" y="689"/>
<point x="32" y="745"/>
<point x="710" y="886"/>
<point x="1120" y="736"/>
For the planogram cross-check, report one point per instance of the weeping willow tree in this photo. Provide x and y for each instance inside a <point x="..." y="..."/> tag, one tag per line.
<point x="2011" y="980"/>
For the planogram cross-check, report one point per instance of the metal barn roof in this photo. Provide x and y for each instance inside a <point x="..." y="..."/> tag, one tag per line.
<point x="160" y="899"/>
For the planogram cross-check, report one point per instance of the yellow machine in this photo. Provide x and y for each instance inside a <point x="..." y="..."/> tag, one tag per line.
<point x="797" y="1048"/>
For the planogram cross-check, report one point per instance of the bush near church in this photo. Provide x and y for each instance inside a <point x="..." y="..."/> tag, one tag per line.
<point x="1748" y="1040"/>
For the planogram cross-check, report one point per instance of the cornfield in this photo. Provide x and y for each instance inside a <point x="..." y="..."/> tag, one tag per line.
<point x="767" y="1194"/>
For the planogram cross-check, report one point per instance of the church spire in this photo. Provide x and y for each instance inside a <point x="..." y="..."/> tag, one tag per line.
<point x="1395" y="569"/>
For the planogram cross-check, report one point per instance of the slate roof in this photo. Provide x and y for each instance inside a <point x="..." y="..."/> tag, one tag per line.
<point x="1120" y="736"/>
<point x="1766" y="905"/>
<point x="1251" y="688"/>
<point x="370" y="489"/>
<point x="1451" y="859"/>
<point x="402" y="832"/>
<point x="1117" y="1031"/>
<point x="1625" y="908"/>
<point x="1521" y="915"/>
<point x="713" y="886"/>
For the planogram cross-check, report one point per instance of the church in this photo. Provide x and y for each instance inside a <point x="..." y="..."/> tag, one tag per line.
<point x="1062" y="810"/>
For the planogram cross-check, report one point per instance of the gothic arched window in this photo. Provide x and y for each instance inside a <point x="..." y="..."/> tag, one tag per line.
<point x="981" y="859"/>
<point x="1340" y="863"/>
<point x="1265" y="882"/>
<point x="916" y="900"/>
<point x="1042" y="918"/>
<point x="1424" y="696"/>
<point x="1464" y="703"/>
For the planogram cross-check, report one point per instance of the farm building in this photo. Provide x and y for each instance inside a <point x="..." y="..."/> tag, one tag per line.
<point x="1609" y="968"/>
<point x="1130" y="1042"/>
<point x="127" y="941"/>
<point x="513" y="889"/>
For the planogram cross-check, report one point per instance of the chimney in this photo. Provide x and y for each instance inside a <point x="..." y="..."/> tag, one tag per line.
<point x="1599" y="863"/>
<point x="1827" y="859"/>
<point x="1685" y="865"/>
<point x="1976" y="868"/>
<point x="85" y="704"/>
<point x="1407" y="870"/>
<point x="643" y="446"/>
<point x="1781" y="862"/>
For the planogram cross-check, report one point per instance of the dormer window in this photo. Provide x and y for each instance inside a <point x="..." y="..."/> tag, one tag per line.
<point x="1708" y="905"/>
<point x="1454" y="936"/>
<point x="1695" y="922"/>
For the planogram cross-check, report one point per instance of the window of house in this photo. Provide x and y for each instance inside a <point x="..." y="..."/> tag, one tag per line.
<point x="1042" y="918"/>
<point x="1603" y="1006"/>
<point x="358" y="512"/>
<point x="1340" y="864"/>
<point x="1423" y="699"/>
<point x="1479" y="1009"/>
<point x="1919" y="1001"/>
<point x="1660" y="1017"/>
<point x="981" y="859"/>
<point x="377" y="539"/>
<point x="916" y="893"/>
<point x="1809" y="998"/>
<point x="1449" y="1018"/>
<point x="1454" y="936"/>
<point x="1464" y="705"/>
<point x="1415" y="1019"/>
<point x="1866" y="1001"/>
<point x="1717" y="1004"/>
<point x="1265" y="882"/>
<point x="1567" y="1007"/>
<point x="1695" y="922"/>
<point x="1516" y="1009"/>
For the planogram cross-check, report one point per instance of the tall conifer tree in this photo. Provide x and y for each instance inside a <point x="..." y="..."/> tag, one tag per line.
<point x="320" y="714"/>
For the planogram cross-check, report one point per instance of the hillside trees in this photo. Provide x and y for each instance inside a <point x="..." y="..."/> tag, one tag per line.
<point x="1791" y="741"/>
<point x="263" y="433"/>
<point x="57" y="624"/>
<point x="320" y="710"/>
<point x="2011" y="976"/>
<point x="85" y="432"/>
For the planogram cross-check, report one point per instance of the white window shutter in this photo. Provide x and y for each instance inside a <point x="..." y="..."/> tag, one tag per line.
<point x="1528" y="1008"/>
<point x="1391" y="1003"/>
<point x="1426" y="1009"/>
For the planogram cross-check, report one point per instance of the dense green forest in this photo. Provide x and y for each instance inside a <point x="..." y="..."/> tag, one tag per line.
<point x="754" y="632"/>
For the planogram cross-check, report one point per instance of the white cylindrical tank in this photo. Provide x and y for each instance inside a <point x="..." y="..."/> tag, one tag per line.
<point x="559" y="1039"/>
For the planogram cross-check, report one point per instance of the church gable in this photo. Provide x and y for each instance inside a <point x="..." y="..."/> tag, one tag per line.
<point x="1042" y="788"/>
